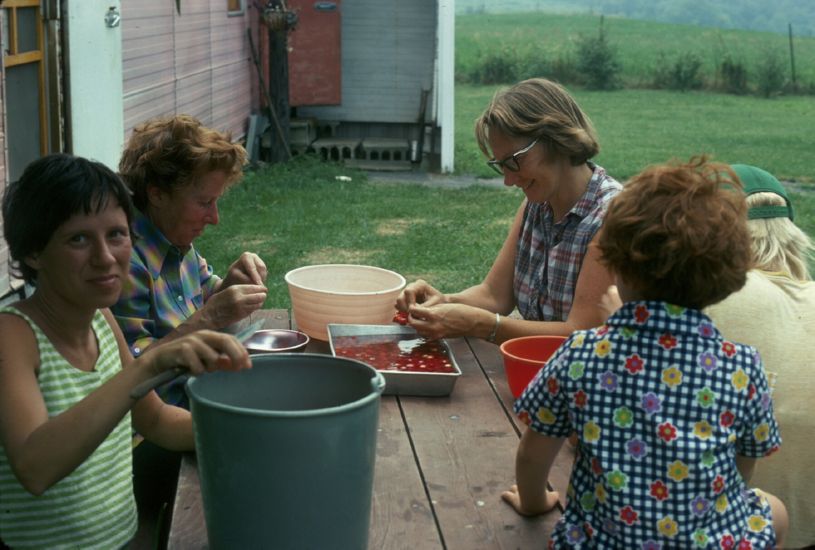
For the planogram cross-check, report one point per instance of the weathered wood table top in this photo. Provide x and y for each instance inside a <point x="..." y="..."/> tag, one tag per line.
<point x="441" y="465"/>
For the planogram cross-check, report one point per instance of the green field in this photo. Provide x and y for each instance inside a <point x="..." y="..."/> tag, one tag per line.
<point x="641" y="127"/>
<point x="297" y="214"/>
<point x="638" y="43"/>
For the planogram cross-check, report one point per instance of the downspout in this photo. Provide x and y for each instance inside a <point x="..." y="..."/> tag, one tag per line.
<point x="445" y="94"/>
<point x="68" y="143"/>
<point x="55" y="71"/>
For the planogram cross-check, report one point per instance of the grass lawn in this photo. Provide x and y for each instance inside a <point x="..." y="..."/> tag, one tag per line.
<point x="641" y="127"/>
<point x="804" y="205"/>
<point x="297" y="214"/>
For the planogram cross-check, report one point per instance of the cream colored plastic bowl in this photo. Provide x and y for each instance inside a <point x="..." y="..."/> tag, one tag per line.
<point x="342" y="293"/>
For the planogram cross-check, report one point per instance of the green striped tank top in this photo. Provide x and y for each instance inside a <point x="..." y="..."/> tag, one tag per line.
<point x="93" y="507"/>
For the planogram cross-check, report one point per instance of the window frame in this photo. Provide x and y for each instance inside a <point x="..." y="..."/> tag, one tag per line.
<point x="230" y="12"/>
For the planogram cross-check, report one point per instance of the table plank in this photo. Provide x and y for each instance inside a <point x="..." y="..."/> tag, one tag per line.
<point x="465" y="445"/>
<point x="492" y="364"/>
<point x="188" y="528"/>
<point x="401" y="514"/>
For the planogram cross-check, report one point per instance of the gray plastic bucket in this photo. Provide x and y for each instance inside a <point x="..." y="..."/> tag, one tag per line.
<point x="286" y="451"/>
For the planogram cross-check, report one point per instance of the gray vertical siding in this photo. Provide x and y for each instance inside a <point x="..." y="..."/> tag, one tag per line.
<point x="388" y="51"/>
<point x="196" y="63"/>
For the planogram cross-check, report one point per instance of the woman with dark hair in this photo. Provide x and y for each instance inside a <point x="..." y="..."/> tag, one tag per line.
<point x="65" y="398"/>
<point x="177" y="170"/>
<point x="540" y="141"/>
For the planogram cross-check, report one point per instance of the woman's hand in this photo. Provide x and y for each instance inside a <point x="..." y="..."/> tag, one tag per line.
<point x="233" y="303"/>
<point x="249" y="269"/>
<point x="199" y="352"/>
<point x="547" y="502"/>
<point x="450" y="320"/>
<point x="419" y="292"/>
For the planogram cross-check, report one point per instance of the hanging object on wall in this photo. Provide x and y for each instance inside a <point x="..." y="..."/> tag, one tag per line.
<point x="112" y="17"/>
<point x="277" y="16"/>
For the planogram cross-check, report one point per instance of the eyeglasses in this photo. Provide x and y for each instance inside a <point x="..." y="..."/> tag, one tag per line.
<point x="511" y="162"/>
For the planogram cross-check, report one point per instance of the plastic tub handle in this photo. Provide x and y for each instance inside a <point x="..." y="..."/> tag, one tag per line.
<point x="378" y="383"/>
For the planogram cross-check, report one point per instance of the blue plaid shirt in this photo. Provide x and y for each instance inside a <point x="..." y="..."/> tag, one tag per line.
<point x="662" y="404"/>
<point x="549" y="254"/>
<point x="164" y="288"/>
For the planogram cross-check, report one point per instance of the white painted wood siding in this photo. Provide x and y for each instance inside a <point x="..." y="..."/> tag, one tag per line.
<point x="388" y="52"/>
<point x="196" y="63"/>
<point x="95" y="97"/>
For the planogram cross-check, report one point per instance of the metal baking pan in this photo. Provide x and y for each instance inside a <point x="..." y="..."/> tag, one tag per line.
<point x="399" y="382"/>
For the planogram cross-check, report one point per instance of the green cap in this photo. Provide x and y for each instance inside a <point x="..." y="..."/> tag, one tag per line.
<point x="756" y="180"/>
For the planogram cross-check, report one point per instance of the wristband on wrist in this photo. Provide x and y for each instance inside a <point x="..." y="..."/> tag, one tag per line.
<point x="494" y="333"/>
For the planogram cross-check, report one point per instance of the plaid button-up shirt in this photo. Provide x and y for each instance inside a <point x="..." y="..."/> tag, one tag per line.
<point x="549" y="254"/>
<point x="165" y="287"/>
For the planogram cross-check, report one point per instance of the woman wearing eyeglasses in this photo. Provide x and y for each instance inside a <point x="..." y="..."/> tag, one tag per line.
<point x="540" y="141"/>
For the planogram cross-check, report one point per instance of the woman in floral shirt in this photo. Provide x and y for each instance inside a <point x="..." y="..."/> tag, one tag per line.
<point x="670" y="415"/>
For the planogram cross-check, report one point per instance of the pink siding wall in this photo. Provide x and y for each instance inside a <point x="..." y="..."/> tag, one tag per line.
<point x="4" y="272"/>
<point x="196" y="63"/>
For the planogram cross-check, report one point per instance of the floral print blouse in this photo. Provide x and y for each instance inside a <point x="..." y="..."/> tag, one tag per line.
<point x="661" y="404"/>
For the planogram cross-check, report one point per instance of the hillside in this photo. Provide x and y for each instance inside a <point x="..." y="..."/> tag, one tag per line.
<point x="548" y="41"/>
<point x="757" y="15"/>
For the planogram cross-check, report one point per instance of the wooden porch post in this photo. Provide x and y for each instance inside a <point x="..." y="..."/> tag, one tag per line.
<point x="279" y="84"/>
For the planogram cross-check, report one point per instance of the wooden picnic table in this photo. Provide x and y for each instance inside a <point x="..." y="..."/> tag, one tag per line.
<point x="441" y="465"/>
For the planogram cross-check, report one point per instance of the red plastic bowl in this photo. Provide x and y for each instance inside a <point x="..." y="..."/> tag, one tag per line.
<point x="525" y="356"/>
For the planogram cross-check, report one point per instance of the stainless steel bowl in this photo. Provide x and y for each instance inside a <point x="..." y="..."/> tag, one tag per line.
<point x="276" y="341"/>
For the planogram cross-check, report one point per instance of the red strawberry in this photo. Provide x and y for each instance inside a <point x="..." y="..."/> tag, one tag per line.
<point x="401" y="317"/>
